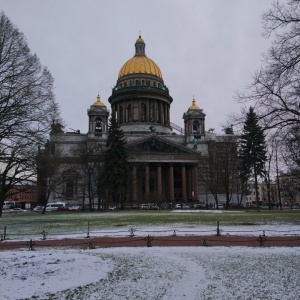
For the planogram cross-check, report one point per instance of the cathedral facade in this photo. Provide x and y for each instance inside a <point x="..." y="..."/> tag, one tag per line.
<point x="165" y="159"/>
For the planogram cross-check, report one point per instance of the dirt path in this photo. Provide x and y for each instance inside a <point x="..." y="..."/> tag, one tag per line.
<point x="160" y="241"/>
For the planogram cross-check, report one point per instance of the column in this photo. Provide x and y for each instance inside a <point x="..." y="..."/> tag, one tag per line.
<point x="190" y="183"/>
<point x="183" y="184"/>
<point x="159" y="187"/>
<point x="171" y="182"/>
<point x="147" y="183"/>
<point x="195" y="182"/>
<point x="134" y="184"/>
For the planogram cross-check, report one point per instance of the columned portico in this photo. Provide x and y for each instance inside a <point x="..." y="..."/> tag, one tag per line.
<point x="158" y="177"/>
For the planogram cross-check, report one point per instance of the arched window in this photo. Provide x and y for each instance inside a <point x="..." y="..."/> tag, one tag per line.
<point x="98" y="125"/>
<point x="158" y="113"/>
<point x="121" y="114"/>
<point x="143" y="112"/>
<point x="196" y="127"/>
<point x="70" y="184"/>
<point x="152" y="112"/>
<point x="129" y="117"/>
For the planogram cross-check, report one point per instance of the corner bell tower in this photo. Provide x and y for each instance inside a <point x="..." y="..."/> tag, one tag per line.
<point x="98" y="118"/>
<point x="194" y="121"/>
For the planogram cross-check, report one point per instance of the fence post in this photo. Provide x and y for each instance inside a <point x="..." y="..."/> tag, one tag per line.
<point x="218" y="229"/>
<point x="261" y="239"/>
<point x="149" y="240"/>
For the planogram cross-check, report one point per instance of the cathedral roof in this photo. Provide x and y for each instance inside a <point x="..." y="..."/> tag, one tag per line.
<point x="140" y="63"/>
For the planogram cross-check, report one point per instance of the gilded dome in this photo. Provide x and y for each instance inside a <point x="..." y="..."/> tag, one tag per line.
<point x="140" y="63"/>
<point x="98" y="102"/>
<point x="194" y="106"/>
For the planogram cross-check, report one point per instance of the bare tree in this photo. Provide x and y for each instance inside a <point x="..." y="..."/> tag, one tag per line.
<point x="49" y="174"/>
<point x="27" y="106"/>
<point x="16" y="168"/>
<point x="220" y="169"/>
<point x="291" y="150"/>
<point x="275" y="90"/>
<point x="91" y="159"/>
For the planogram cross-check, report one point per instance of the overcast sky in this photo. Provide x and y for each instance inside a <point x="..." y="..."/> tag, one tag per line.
<point x="205" y="48"/>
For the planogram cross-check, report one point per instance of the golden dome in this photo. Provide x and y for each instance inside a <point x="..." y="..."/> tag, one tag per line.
<point x="98" y="102"/>
<point x="140" y="63"/>
<point x="194" y="106"/>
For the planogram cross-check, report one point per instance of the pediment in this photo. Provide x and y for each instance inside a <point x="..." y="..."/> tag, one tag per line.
<point x="158" y="146"/>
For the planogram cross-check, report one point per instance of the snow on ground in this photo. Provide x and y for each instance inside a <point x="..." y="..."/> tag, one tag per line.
<point x="182" y="230"/>
<point x="174" y="273"/>
<point x="179" y="230"/>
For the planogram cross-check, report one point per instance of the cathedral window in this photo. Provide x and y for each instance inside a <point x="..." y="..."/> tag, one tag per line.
<point x="70" y="184"/>
<point x="158" y="114"/>
<point x="152" y="112"/>
<point x="143" y="112"/>
<point x="137" y="83"/>
<point x="196" y="127"/>
<point x="98" y="125"/>
<point x="69" y="188"/>
<point x="148" y="82"/>
<point x="129" y="113"/>
<point x="154" y="84"/>
<point x="121" y="114"/>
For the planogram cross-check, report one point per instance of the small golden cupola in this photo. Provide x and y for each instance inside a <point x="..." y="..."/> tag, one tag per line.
<point x="98" y="102"/>
<point x="194" y="106"/>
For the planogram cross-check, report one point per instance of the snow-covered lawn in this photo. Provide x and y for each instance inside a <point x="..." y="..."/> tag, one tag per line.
<point x="173" y="273"/>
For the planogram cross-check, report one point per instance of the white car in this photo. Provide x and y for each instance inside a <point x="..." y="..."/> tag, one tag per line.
<point x="18" y="210"/>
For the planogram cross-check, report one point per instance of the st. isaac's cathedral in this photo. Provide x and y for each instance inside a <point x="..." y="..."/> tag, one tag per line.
<point x="165" y="159"/>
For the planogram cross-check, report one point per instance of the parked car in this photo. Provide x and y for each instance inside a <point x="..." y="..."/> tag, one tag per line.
<point x="18" y="210"/>
<point x="74" y="207"/>
<point x="64" y="208"/>
<point x="199" y="206"/>
<point x="38" y="209"/>
<point x="149" y="206"/>
<point x="54" y="206"/>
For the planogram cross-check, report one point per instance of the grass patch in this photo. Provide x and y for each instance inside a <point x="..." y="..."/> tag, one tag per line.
<point x="78" y="222"/>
